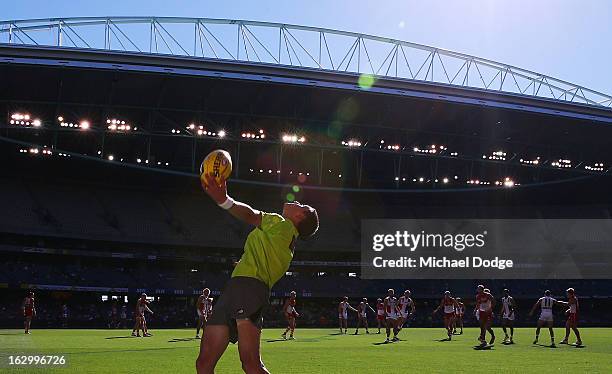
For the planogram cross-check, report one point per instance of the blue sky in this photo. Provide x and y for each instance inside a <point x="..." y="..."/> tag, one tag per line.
<point x="570" y="40"/>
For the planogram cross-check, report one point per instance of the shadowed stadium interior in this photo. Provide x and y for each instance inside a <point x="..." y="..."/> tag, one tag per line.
<point x="100" y="154"/>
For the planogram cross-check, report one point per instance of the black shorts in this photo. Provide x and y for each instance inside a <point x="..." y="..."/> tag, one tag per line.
<point x="242" y="298"/>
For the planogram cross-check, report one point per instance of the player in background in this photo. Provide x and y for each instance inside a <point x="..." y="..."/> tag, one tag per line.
<point x="203" y="305"/>
<point x="123" y="315"/>
<point x="484" y="309"/>
<point x="380" y="313"/>
<point x="343" y="308"/>
<point x="114" y="316"/>
<point x="546" y="304"/>
<point x="362" y="315"/>
<point x="29" y="311"/>
<point x="508" y="316"/>
<point x="406" y="309"/>
<point x="64" y="315"/>
<point x="268" y="252"/>
<point x="459" y="312"/>
<point x="290" y="314"/>
<point x="572" y="317"/>
<point x="448" y="304"/>
<point x="391" y="314"/>
<point x="142" y="306"/>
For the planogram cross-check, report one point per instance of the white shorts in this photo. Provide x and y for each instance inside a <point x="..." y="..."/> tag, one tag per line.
<point x="404" y="315"/>
<point x="200" y="313"/>
<point x="363" y="315"/>
<point x="546" y="315"/>
<point x="509" y="317"/>
<point x="343" y="315"/>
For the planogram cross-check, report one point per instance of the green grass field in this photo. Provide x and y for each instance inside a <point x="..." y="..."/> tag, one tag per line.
<point x="314" y="351"/>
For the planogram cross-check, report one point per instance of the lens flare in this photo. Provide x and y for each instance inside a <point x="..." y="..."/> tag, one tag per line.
<point x="366" y="81"/>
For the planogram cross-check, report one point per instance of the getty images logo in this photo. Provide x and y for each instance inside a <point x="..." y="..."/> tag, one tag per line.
<point x="412" y="241"/>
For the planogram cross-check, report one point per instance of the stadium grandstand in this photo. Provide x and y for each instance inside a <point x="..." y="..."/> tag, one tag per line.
<point x="105" y="122"/>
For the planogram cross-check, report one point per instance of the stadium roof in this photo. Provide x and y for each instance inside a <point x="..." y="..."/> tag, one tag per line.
<point x="293" y="46"/>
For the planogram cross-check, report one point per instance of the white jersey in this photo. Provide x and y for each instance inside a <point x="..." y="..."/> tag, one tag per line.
<point x="508" y="308"/>
<point x="343" y="310"/>
<point x="485" y="306"/>
<point x="391" y="310"/>
<point x="546" y="305"/>
<point x="363" y="309"/>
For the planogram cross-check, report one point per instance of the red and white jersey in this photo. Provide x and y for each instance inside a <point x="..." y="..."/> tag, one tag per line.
<point x="391" y="309"/>
<point x="290" y="306"/>
<point x="28" y="304"/>
<point x="204" y="305"/>
<point x="483" y="301"/>
<point x="380" y="309"/>
<point x="449" y="305"/>
<point x="405" y="304"/>
<point x="573" y="304"/>
<point x="141" y="305"/>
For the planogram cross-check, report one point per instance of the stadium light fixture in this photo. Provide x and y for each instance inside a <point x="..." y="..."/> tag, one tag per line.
<point x="352" y="143"/>
<point x="293" y="138"/>
<point x="114" y="124"/>
<point x="535" y="161"/>
<point x="432" y="149"/>
<point x="111" y="157"/>
<point x="84" y="125"/>
<point x="562" y="163"/>
<point x="254" y="135"/>
<point x="478" y="182"/>
<point x="496" y="156"/>
<point x="598" y="166"/>
<point x="25" y="120"/>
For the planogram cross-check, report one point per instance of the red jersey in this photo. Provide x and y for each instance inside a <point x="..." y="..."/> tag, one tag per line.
<point x="28" y="306"/>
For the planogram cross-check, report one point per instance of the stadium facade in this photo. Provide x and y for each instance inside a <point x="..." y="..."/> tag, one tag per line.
<point x="105" y="125"/>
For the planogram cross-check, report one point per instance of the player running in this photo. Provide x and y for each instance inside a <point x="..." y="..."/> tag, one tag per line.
<point x="29" y="311"/>
<point x="204" y="309"/>
<point x="508" y="316"/>
<point x="142" y="306"/>
<point x="484" y="309"/>
<point x="459" y="312"/>
<point x="572" y="318"/>
<point x="406" y="309"/>
<point x="546" y="304"/>
<point x="268" y="251"/>
<point x="290" y="314"/>
<point x="448" y="304"/>
<point x="362" y="315"/>
<point x="391" y="314"/>
<point x="343" y="308"/>
<point x="380" y="313"/>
